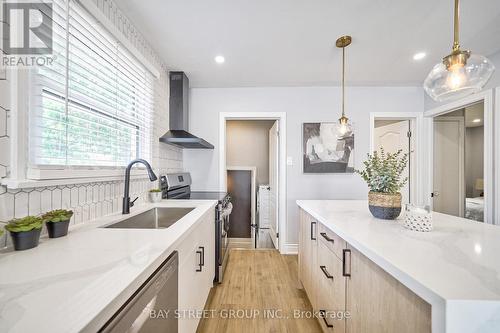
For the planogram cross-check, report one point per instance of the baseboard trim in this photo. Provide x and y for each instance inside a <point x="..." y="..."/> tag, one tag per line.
<point x="291" y="249"/>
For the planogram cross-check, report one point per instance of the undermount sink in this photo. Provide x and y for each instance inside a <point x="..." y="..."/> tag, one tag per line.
<point x="156" y="218"/>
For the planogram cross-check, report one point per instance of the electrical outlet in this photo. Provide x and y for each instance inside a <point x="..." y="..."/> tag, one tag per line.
<point x="289" y="160"/>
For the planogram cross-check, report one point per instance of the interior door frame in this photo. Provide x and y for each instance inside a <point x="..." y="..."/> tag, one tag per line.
<point x="416" y="119"/>
<point x="497" y="154"/>
<point x="487" y="98"/>
<point x="283" y="246"/>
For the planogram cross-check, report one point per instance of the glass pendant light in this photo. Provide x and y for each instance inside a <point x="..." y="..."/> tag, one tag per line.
<point x="461" y="73"/>
<point x="344" y="128"/>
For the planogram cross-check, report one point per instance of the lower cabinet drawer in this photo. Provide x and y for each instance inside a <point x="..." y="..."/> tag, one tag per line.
<point x="331" y="290"/>
<point x="331" y="240"/>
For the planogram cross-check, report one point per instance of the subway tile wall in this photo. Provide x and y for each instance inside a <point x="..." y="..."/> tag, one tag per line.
<point x="94" y="199"/>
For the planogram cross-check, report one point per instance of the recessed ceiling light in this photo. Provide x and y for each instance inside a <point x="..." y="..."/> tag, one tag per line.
<point x="419" y="56"/>
<point x="219" y="59"/>
<point x="478" y="120"/>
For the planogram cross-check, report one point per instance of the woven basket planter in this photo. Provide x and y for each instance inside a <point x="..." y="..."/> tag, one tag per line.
<point x="384" y="206"/>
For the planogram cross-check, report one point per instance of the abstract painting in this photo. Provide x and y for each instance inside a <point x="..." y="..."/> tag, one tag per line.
<point x="326" y="149"/>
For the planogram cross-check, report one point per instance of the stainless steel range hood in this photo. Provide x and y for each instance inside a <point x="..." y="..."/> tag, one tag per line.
<point x="178" y="114"/>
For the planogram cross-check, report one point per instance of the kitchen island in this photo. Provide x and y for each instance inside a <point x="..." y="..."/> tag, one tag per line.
<point x="449" y="277"/>
<point x="76" y="283"/>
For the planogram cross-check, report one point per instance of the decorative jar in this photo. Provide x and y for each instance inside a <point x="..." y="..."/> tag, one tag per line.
<point x="418" y="218"/>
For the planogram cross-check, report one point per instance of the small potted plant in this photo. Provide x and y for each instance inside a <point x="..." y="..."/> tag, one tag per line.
<point x="383" y="174"/>
<point x="155" y="195"/>
<point x="57" y="222"/>
<point x="25" y="232"/>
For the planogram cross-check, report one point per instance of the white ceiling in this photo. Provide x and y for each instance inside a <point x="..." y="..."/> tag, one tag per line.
<point x="292" y="42"/>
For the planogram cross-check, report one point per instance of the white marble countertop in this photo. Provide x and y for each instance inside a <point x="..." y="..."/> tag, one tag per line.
<point x="455" y="268"/>
<point x="76" y="283"/>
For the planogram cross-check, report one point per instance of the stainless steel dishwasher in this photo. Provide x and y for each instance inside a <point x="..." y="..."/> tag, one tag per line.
<point x="152" y="308"/>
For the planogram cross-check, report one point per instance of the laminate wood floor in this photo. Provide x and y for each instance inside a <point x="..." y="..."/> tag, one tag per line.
<point x="258" y="284"/>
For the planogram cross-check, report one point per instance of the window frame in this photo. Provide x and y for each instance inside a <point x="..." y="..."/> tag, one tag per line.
<point x="25" y="175"/>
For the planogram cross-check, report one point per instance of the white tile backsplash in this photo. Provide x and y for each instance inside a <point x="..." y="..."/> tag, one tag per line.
<point x="46" y="200"/>
<point x="66" y="198"/>
<point x="21" y="204"/>
<point x="5" y="93"/>
<point x="3" y="124"/>
<point x="56" y="200"/>
<point x="91" y="200"/>
<point x="34" y="202"/>
<point x="6" y="205"/>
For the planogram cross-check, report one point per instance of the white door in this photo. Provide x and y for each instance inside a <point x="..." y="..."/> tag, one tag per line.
<point x="273" y="183"/>
<point x="393" y="137"/>
<point x="448" y="173"/>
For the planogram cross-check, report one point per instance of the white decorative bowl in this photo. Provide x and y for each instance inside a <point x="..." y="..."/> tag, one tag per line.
<point x="418" y="218"/>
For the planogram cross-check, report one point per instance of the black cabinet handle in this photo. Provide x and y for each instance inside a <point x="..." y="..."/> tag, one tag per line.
<point x="325" y="236"/>
<point x="344" y="251"/>
<point x="312" y="231"/>
<point x="328" y="276"/>
<point x="323" y="315"/>
<point x="199" y="264"/>
<point x="202" y="255"/>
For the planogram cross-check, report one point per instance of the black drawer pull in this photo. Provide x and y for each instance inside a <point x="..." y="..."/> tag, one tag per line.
<point x="328" y="276"/>
<point x="199" y="264"/>
<point x="202" y="255"/>
<point x="312" y="231"/>
<point x="344" y="251"/>
<point x="325" y="236"/>
<point x="323" y="315"/>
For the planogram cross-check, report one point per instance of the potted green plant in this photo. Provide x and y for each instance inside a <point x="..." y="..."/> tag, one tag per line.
<point x="383" y="174"/>
<point x="155" y="195"/>
<point x="25" y="232"/>
<point x="57" y="222"/>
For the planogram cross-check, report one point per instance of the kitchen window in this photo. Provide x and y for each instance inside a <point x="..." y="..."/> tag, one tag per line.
<point x="93" y="108"/>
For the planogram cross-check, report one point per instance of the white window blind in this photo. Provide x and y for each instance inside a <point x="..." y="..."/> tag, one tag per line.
<point x="94" y="106"/>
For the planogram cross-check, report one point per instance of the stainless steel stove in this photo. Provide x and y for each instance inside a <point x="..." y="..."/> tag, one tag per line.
<point x="178" y="186"/>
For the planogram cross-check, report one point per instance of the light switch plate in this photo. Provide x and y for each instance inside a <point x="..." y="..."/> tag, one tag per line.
<point x="289" y="160"/>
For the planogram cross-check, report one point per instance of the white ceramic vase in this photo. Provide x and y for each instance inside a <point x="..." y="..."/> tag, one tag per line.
<point x="155" y="196"/>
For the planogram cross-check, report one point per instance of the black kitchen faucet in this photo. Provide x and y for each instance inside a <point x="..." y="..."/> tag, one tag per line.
<point x="126" y="198"/>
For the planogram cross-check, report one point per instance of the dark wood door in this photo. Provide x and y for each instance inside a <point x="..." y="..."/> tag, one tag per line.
<point x="239" y="187"/>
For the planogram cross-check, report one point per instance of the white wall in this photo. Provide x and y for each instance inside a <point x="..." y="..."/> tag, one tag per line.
<point x="301" y="105"/>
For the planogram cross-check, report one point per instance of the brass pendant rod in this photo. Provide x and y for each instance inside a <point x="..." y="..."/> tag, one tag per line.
<point x="343" y="42"/>
<point x="343" y="81"/>
<point x="456" y="43"/>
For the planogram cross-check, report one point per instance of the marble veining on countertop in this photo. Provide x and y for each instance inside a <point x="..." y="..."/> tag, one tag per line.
<point x="65" y="283"/>
<point x="459" y="259"/>
<point x="455" y="266"/>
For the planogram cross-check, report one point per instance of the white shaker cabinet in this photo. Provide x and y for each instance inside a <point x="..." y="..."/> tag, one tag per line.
<point x="196" y="271"/>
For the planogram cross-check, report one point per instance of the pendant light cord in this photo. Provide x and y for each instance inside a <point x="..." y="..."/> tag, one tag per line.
<point x="456" y="43"/>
